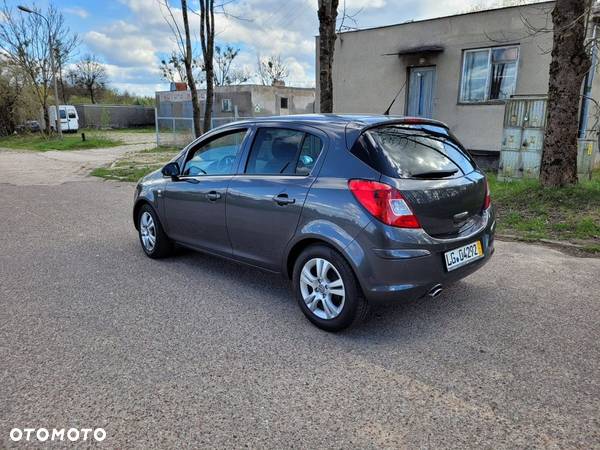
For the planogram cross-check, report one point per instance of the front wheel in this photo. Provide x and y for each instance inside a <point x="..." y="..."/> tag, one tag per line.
<point x="155" y="242"/>
<point x="327" y="290"/>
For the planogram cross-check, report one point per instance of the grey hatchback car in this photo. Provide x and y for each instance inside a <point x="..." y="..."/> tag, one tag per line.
<point x="353" y="208"/>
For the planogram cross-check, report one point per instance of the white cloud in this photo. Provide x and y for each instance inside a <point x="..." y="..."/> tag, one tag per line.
<point x="125" y="51"/>
<point x="77" y="11"/>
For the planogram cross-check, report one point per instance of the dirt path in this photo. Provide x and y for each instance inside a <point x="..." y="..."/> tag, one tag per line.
<point x="23" y="167"/>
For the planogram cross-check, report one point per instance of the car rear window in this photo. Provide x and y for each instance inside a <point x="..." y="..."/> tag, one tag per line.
<point x="413" y="152"/>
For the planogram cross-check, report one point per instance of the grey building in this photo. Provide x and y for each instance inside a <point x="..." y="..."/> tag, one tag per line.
<point x="174" y="116"/>
<point x="458" y="69"/>
<point x="244" y="100"/>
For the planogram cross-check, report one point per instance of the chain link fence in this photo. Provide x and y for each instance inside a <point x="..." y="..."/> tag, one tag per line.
<point x="179" y="131"/>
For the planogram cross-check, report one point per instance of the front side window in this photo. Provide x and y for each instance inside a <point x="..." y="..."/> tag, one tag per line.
<point x="281" y="151"/>
<point x="489" y="74"/>
<point x="216" y="157"/>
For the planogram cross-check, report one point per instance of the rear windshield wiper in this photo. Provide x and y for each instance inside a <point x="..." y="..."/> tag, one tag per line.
<point x="435" y="174"/>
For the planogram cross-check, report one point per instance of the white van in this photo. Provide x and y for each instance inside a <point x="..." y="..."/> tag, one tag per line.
<point x="69" y="120"/>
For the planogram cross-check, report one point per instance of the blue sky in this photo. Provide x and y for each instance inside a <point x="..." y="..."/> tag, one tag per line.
<point x="130" y="36"/>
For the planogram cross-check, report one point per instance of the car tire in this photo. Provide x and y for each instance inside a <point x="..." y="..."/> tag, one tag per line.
<point x="315" y="279"/>
<point x="155" y="243"/>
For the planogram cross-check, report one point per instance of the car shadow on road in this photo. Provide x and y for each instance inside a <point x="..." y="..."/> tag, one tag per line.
<point x="405" y="319"/>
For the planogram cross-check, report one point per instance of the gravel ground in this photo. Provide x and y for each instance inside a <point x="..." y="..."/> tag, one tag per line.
<point x="198" y="352"/>
<point x="24" y="167"/>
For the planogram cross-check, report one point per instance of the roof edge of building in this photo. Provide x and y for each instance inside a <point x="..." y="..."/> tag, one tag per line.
<point x="449" y="16"/>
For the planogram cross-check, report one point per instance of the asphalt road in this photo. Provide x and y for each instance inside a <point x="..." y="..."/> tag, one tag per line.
<point x="198" y="352"/>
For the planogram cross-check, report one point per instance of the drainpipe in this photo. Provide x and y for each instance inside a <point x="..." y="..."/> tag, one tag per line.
<point x="589" y="77"/>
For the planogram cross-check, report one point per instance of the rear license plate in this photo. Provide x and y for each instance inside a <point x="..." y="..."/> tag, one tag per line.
<point x="463" y="255"/>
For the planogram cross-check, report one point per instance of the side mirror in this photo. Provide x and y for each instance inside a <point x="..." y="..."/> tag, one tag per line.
<point x="171" y="170"/>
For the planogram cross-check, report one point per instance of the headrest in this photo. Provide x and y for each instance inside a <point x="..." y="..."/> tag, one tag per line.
<point x="283" y="149"/>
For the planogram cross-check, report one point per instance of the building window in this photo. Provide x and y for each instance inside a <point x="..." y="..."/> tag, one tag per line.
<point x="226" y="105"/>
<point x="489" y="74"/>
<point x="283" y="103"/>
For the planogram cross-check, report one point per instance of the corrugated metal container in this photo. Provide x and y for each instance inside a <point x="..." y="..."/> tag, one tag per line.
<point x="523" y="141"/>
<point x="523" y="138"/>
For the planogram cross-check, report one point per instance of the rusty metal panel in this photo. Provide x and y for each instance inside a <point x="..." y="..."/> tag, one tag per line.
<point x="509" y="164"/>
<point x="586" y="149"/>
<point x="514" y="113"/>
<point x="535" y="114"/>
<point x="511" y="139"/>
<point x="530" y="164"/>
<point x="533" y="140"/>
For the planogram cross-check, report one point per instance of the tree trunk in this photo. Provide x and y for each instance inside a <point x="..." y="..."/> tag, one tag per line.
<point x="46" y="117"/>
<point x="327" y="13"/>
<point x="569" y="64"/>
<point x="207" y="39"/>
<point x="91" y="89"/>
<point x="187" y="61"/>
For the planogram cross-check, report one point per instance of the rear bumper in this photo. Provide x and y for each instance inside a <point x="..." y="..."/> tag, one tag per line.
<point x="393" y="264"/>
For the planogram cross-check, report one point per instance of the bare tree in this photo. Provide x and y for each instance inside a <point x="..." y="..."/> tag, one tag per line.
<point x="569" y="64"/>
<point x="173" y="69"/>
<point x="271" y="70"/>
<point x="207" y="40"/>
<point x="90" y="74"/>
<point x="327" y="13"/>
<point x="63" y="52"/>
<point x="24" y="42"/>
<point x="184" y="45"/>
<point x="225" y="72"/>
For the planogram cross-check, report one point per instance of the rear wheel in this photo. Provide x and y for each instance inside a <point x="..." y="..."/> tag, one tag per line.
<point x="155" y="242"/>
<point x="327" y="290"/>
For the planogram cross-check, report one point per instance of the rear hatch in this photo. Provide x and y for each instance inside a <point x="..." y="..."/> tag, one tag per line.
<point x="432" y="170"/>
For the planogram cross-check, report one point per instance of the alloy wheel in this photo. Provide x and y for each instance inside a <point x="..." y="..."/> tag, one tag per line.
<point x="148" y="231"/>
<point x="322" y="288"/>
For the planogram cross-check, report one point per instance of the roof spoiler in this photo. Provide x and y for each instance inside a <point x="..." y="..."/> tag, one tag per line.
<point x="355" y="129"/>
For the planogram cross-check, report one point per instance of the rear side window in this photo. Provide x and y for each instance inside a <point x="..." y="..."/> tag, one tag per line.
<point x="63" y="114"/>
<point x="413" y="152"/>
<point x="282" y="151"/>
<point x="72" y="115"/>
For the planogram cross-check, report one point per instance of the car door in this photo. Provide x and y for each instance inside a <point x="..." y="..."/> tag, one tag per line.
<point x="194" y="202"/>
<point x="265" y="201"/>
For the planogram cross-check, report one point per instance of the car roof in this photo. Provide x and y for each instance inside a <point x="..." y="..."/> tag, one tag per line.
<point x="340" y="119"/>
<point x="349" y="125"/>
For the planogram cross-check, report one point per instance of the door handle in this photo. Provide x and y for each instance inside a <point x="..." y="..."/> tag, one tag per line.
<point x="283" y="199"/>
<point x="213" y="196"/>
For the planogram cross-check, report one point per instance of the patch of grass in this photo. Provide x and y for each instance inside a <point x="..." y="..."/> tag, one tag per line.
<point x="134" y="166"/>
<point x="162" y="149"/>
<point x="41" y="143"/>
<point x="528" y="210"/>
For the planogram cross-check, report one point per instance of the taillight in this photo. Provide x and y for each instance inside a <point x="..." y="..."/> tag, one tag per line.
<point x="384" y="202"/>
<point x="488" y="201"/>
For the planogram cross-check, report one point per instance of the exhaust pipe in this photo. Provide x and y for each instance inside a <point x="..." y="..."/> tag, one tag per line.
<point x="435" y="291"/>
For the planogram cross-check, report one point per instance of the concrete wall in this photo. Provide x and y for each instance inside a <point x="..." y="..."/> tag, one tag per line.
<point x="366" y="80"/>
<point x="114" y="116"/>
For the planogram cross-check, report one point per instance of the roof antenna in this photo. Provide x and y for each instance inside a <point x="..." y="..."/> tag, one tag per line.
<point x="387" y="111"/>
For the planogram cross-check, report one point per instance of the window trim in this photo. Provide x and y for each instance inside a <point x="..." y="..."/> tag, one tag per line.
<point x="287" y="102"/>
<point x="295" y="175"/>
<point x="201" y="142"/>
<point x="223" y="109"/>
<point x="487" y="100"/>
